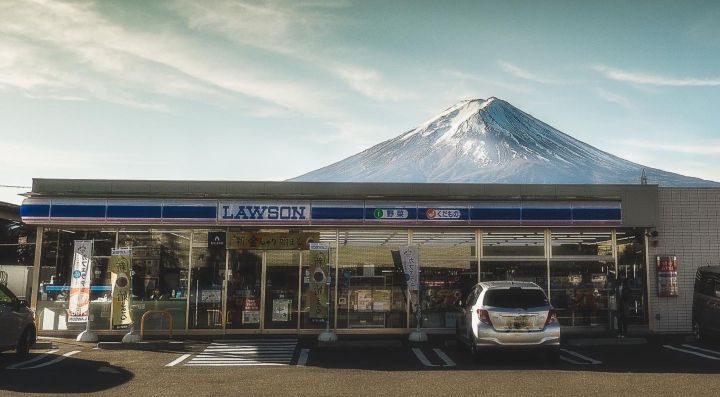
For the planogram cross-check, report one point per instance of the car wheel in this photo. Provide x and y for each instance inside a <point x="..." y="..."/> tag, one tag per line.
<point x="698" y="332"/>
<point x="26" y="340"/>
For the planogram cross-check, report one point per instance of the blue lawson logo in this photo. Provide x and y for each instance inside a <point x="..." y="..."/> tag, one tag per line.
<point x="76" y="274"/>
<point x="264" y="212"/>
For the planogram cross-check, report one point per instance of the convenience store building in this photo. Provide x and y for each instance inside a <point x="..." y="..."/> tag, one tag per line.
<point x="233" y="258"/>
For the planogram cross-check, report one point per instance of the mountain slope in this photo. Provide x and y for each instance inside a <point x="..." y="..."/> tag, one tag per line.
<point x="490" y="141"/>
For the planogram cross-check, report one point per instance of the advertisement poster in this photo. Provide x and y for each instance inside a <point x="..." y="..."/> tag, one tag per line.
<point x="79" y="304"/>
<point x="251" y="310"/>
<point x="667" y="275"/>
<point x="411" y="268"/>
<point x="281" y="309"/>
<point x="363" y="300"/>
<point x="121" y="281"/>
<point x="381" y="300"/>
<point x="211" y="296"/>
<point x="319" y="263"/>
<point x="271" y="241"/>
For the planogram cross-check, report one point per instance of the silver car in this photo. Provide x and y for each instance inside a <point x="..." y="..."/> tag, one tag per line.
<point x="17" y="323"/>
<point x="507" y="314"/>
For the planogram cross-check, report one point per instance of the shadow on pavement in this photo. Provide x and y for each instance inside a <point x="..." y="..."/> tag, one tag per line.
<point x="71" y="375"/>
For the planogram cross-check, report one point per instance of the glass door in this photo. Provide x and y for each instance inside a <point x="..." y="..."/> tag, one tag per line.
<point x="207" y="269"/>
<point x="244" y="289"/>
<point x="281" y="289"/>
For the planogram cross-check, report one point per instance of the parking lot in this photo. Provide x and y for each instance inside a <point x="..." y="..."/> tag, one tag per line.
<point x="297" y="366"/>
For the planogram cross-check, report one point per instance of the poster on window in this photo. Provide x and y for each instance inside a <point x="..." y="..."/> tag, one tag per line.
<point x="121" y="281"/>
<point x="317" y="295"/>
<point x="281" y="310"/>
<point x="667" y="275"/>
<point x="79" y="303"/>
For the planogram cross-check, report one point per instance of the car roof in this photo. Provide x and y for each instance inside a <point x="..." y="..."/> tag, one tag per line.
<point x="709" y="269"/>
<point x="508" y="284"/>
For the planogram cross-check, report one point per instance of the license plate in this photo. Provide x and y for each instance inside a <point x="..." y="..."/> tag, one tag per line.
<point x="521" y="322"/>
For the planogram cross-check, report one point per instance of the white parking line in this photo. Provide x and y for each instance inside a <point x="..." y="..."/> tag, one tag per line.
<point x="691" y="352"/>
<point x="571" y="361"/>
<point x="32" y="360"/>
<point x="703" y="350"/>
<point x="580" y="356"/>
<point x="302" y="360"/>
<point x="448" y="361"/>
<point x="421" y="356"/>
<point x="57" y="360"/>
<point x="178" y="360"/>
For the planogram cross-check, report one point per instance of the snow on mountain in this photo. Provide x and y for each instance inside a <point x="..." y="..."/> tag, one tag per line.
<point x="490" y="141"/>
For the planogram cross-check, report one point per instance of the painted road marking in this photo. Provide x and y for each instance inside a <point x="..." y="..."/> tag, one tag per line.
<point x="248" y="352"/>
<point x="178" y="360"/>
<point x="703" y="349"/>
<point x="34" y="359"/>
<point x="691" y="352"/>
<point x="448" y="361"/>
<point x="571" y="361"/>
<point x="580" y="356"/>
<point x="421" y="356"/>
<point x="302" y="360"/>
<point x="55" y="361"/>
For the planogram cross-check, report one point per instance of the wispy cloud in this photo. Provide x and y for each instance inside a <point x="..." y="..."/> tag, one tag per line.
<point x="521" y="73"/>
<point x="653" y="79"/>
<point x="108" y="61"/>
<point x="299" y="31"/>
<point x="704" y="148"/>
<point x="613" y="97"/>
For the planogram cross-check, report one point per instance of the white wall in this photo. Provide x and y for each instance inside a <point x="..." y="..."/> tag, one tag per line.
<point x="689" y="228"/>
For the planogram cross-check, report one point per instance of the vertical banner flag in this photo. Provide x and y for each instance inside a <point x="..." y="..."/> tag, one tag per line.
<point x="667" y="275"/>
<point x="79" y="303"/>
<point x="319" y="263"/>
<point x="120" y="279"/>
<point x="411" y="264"/>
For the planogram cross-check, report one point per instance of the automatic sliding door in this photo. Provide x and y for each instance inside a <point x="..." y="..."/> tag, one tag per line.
<point x="281" y="289"/>
<point x="243" y="289"/>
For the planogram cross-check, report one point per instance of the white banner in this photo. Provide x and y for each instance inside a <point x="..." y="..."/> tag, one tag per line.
<point x="79" y="303"/>
<point x="411" y="264"/>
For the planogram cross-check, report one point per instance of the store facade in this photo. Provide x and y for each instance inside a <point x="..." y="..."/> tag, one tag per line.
<point x="234" y="257"/>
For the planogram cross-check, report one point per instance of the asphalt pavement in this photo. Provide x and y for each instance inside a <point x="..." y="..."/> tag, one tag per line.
<point x="291" y="367"/>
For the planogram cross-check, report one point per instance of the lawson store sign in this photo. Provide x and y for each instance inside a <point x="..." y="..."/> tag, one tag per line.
<point x="257" y="212"/>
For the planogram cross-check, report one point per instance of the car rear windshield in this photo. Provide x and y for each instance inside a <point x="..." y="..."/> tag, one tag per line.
<point x="515" y="297"/>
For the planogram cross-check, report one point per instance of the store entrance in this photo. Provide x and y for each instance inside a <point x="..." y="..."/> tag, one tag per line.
<point x="262" y="290"/>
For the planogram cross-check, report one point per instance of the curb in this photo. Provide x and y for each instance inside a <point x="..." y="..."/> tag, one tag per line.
<point x="151" y="345"/>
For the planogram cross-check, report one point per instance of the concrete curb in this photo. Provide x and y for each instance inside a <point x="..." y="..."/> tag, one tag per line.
<point x="149" y="345"/>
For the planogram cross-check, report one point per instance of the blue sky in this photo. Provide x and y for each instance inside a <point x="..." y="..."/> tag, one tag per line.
<point x="237" y="90"/>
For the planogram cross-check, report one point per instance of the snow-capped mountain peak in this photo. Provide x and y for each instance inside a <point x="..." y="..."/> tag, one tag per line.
<point x="489" y="141"/>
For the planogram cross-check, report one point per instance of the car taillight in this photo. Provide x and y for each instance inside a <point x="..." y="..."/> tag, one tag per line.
<point x="552" y="317"/>
<point x="484" y="316"/>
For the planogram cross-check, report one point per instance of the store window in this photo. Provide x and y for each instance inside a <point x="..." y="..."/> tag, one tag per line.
<point x="582" y="243"/>
<point x="371" y="285"/>
<point x="310" y="316"/>
<point x="522" y="243"/>
<point x="448" y="272"/>
<point x="512" y="269"/>
<point x="55" y="273"/>
<point x="159" y="275"/>
<point x="281" y="289"/>
<point x="582" y="292"/>
<point x="631" y="266"/>
<point x="207" y="269"/>
<point x="244" y="289"/>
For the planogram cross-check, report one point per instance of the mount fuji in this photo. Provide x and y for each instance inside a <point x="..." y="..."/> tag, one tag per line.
<point x="490" y="141"/>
